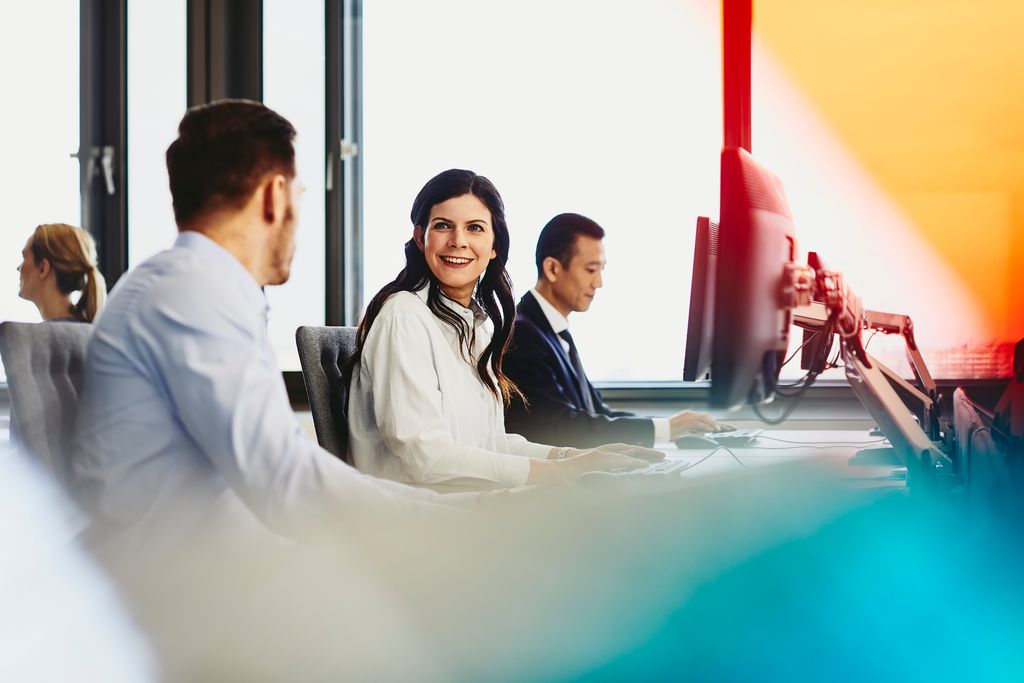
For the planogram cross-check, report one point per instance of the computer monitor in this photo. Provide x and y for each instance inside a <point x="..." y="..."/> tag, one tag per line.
<point x="756" y="239"/>
<point x="753" y="310"/>
<point x="697" y="359"/>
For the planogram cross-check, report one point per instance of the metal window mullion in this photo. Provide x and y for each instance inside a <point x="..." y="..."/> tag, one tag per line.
<point x="225" y="50"/>
<point x="343" y="206"/>
<point x="103" y="147"/>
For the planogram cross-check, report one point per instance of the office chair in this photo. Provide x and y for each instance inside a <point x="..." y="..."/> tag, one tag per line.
<point x="322" y="351"/>
<point x="44" y="363"/>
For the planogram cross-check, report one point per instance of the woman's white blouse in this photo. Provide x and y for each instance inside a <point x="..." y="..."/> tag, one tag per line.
<point x="418" y="413"/>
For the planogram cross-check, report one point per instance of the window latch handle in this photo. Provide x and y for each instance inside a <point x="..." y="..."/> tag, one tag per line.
<point x="107" y="164"/>
<point x="347" y="149"/>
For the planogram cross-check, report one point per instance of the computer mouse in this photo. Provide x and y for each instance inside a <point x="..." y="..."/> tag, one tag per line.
<point x="696" y="441"/>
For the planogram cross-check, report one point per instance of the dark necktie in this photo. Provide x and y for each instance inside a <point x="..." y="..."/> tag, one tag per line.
<point x="581" y="377"/>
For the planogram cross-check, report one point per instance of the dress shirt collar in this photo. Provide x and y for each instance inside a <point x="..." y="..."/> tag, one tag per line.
<point x="225" y="261"/>
<point x="559" y="323"/>
<point x="474" y="315"/>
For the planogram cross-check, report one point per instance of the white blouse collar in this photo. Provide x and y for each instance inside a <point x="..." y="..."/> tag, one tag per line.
<point x="474" y="315"/>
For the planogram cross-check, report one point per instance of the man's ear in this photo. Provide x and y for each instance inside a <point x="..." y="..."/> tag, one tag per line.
<point x="551" y="268"/>
<point x="417" y="236"/>
<point x="274" y="195"/>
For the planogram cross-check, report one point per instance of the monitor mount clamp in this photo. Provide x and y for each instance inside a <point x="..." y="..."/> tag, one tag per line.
<point x="820" y="302"/>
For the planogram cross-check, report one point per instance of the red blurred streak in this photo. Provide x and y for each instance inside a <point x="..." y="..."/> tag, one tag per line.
<point x="737" y="25"/>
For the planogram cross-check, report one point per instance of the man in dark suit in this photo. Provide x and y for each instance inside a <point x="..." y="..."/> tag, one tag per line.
<point x="562" y="406"/>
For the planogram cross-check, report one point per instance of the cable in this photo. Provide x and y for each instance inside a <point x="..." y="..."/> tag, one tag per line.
<point x="808" y="379"/>
<point x="691" y="466"/>
<point x="713" y="451"/>
<point x="834" y="363"/>
<point x="799" y="385"/>
<point x="835" y="359"/>
<point x="795" y="397"/>
<point x="735" y="457"/>
<point x="872" y="442"/>
<point x="794" y="400"/>
<point x="817" y="447"/>
<point x="786" y="362"/>
<point x="795" y="385"/>
<point x="868" y="342"/>
<point x="798" y="349"/>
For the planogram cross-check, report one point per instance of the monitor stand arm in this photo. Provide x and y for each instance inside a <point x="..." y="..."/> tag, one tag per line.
<point x="813" y="293"/>
<point x="927" y="396"/>
<point x="928" y="411"/>
<point x="840" y="302"/>
<point x="819" y="300"/>
<point x="875" y="384"/>
<point x="895" y="323"/>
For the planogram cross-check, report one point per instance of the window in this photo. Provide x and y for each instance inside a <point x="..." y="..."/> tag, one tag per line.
<point x="898" y="162"/>
<point x="41" y="117"/>
<point x="900" y="167"/>
<point x="156" y="102"/>
<point x="293" y="85"/>
<point x="569" y="106"/>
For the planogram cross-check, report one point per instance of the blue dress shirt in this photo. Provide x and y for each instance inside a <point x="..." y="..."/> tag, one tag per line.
<point x="184" y="414"/>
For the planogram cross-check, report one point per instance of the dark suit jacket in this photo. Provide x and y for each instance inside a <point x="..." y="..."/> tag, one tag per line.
<point x="556" y="415"/>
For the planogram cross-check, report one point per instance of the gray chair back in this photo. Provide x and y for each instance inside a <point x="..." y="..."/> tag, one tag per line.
<point x="44" y="364"/>
<point x="322" y="352"/>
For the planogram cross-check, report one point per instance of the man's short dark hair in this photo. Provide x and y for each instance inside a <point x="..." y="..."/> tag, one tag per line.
<point x="223" y="151"/>
<point x="558" y="238"/>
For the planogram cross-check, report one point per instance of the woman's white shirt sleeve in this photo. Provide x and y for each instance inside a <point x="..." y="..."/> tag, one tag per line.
<point x="415" y="416"/>
<point x="520" y="446"/>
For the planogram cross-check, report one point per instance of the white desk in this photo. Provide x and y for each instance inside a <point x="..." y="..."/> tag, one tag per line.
<point x="786" y="446"/>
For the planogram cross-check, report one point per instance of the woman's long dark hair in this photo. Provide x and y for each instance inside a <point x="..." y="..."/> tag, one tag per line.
<point x="493" y="291"/>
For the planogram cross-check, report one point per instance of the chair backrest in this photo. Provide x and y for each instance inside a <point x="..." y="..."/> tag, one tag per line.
<point x="44" y="364"/>
<point x="322" y="352"/>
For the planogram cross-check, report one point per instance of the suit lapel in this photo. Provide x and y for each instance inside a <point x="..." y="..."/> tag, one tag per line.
<point x="531" y="310"/>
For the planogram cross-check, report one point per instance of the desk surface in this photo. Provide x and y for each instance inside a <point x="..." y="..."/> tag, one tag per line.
<point x="777" y="446"/>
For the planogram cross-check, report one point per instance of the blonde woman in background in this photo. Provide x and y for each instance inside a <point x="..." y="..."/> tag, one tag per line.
<point x="57" y="261"/>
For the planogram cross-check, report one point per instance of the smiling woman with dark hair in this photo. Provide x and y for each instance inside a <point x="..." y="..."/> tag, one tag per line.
<point x="427" y="389"/>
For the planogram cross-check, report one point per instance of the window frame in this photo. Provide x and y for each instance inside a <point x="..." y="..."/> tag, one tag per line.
<point x="103" y="125"/>
<point x="224" y="51"/>
<point x="343" y="142"/>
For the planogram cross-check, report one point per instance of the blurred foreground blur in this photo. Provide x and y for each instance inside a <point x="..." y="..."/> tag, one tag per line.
<point x="60" y="618"/>
<point x="776" y="573"/>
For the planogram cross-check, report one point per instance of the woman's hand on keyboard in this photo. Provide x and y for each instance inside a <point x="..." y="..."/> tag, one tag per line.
<point x="647" y="454"/>
<point x="590" y="460"/>
<point x="602" y="459"/>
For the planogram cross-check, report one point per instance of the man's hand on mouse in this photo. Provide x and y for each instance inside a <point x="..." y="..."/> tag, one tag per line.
<point x="689" y="422"/>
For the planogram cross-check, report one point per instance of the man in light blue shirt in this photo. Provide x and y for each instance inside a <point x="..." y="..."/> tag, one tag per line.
<point x="184" y="416"/>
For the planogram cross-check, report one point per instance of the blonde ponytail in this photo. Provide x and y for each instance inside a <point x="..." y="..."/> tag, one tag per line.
<point x="71" y="252"/>
<point x="94" y="295"/>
